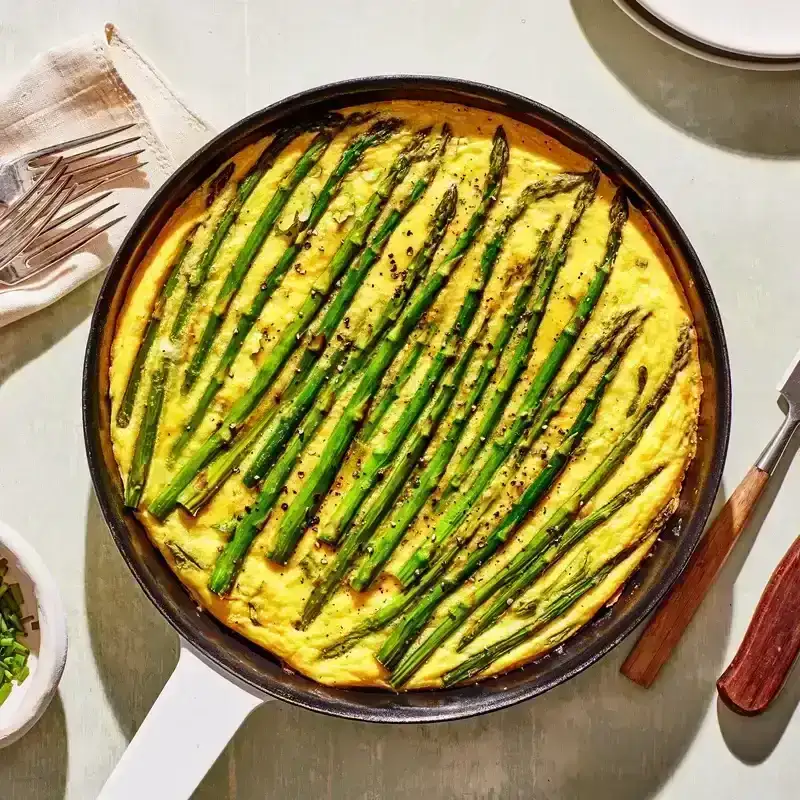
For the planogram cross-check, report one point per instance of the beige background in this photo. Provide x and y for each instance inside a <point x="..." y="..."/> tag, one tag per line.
<point x="720" y="145"/>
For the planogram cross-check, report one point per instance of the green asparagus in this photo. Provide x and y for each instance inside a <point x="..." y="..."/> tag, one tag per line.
<point x="382" y="455"/>
<point x="405" y="634"/>
<point x="151" y="331"/>
<point x="229" y="562"/>
<point x="390" y="488"/>
<point x="300" y="233"/>
<point x="311" y="494"/>
<point x="508" y="579"/>
<point x="209" y="480"/>
<point x="500" y="450"/>
<point x="391" y="534"/>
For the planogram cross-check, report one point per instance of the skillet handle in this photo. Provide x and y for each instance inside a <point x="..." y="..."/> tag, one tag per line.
<point x="189" y="725"/>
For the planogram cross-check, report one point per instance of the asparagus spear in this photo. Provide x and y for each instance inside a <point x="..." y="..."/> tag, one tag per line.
<point x="311" y="494"/>
<point x="282" y="425"/>
<point x="381" y="456"/>
<point x="394" y="389"/>
<point x="558" y="396"/>
<point x="404" y="635"/>
<point x="262" y="228"/>
<point x="508" y="579"/>
<point x="148" y="430"/>
<point x="522" y="355"/>
<point x="391" y="534"/>
<point x="556" y="607"/>
<point x="229" y="562"/>
<point x="390" y="489"/>
<point x="344" y="297"/>
<point x="580" y="529"/>
<point x="353" y="280"/>
<point x="215" y="188"/>
<point x="288" y="343"/>
<point x="197" y="279"/>
<point x="561" y="597"/>
<point x="412" y="661"/>
<point x="400" y="602"/>
<point x="301" y="231"/>
<point x="146" y="438"/>
<point x="501" y="448"/>
<point x="151" y="330"/>
<point x="208" y="481"/>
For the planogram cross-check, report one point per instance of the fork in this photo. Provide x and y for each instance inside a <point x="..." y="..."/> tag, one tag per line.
<point x="19" y="176"/>
<point x="30" y="230"/>
<point x="47" y="254"/>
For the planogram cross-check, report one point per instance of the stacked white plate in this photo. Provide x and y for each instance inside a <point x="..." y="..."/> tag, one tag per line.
<point x="754" y="34"/>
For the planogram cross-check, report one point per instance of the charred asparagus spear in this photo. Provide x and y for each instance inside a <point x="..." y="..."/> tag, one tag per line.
<point x="405" y="634"/>
<point x="391" y="534"/>
<point x="316" y="486"/>
<point x="229" y="562"/>
<point x="501" y="448"/>
<point x="300" y="233"/>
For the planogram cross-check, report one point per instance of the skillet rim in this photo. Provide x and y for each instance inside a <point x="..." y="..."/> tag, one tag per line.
<point x="257" y="668"/>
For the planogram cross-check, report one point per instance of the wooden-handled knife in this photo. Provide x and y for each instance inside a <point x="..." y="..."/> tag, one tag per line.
<point x="770" y="646"/>
<point x="673" y="616"/>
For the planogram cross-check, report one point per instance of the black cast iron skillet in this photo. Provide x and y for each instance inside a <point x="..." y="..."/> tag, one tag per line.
<point x="254" y="667"/>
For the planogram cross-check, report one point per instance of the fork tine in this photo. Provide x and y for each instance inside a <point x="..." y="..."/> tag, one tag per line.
<point x="74" y="212"/>
<point x="51" y="175"/>
<point x="76" y="228"/>
<point x="88" y="188"/>
<point x="72" y="143"/>
<point x="95" y="151"/>
<point x="54" y="203"/>
<point x="73" y="248"/>
<point x="103" y="162"/>
<point x="33" y="211"/>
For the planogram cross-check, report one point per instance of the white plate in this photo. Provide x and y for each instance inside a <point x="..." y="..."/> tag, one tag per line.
<point x="750" y="34"/>
<point x="760" y="28"/>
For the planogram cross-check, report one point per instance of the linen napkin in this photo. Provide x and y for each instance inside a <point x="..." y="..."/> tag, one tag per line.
<point x="86" y="86"/>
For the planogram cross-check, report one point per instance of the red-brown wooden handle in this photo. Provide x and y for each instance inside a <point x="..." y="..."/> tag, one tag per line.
<point x="770" y="646"/>
<point x="675" y="613"/>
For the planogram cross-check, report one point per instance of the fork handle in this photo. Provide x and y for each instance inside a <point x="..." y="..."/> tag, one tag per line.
<point x="665" y="629"/>
<point x="771" y="644"/>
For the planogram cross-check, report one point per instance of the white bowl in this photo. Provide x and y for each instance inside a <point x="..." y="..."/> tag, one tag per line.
<point x="28" y="701"/>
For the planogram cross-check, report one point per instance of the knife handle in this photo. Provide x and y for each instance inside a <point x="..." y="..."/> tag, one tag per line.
<point x="667" y="625"/>
<point x="771" y="644"/>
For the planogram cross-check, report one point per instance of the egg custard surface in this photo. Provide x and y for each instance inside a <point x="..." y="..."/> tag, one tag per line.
<point x="462" y="366"/>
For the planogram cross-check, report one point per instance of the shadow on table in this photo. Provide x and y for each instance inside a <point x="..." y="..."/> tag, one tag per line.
<point x="597" y="736"/>
<point x="744" y="110"/>
<point x="752" y="739"/>
<point x="30" y="337"/>
<point x="36" y="765"/>
<point x="134" y="648"/>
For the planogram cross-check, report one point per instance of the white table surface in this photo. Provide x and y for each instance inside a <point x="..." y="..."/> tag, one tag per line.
<point x="722" y="148"/>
